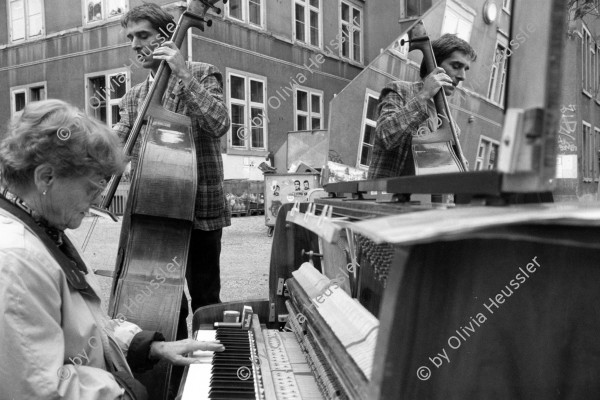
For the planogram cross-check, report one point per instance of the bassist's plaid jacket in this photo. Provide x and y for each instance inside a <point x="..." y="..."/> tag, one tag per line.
<point x="203" y="102"/>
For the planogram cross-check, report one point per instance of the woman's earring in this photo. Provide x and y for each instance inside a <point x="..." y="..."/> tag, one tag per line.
<point x="44" y="193"/>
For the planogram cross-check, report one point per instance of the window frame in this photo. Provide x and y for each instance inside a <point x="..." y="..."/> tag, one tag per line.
<point x="309" y="114"/>
<point x="248" y="105"/>
<point x="246" y="14"/>
<point x="26" y="17"/>
<point x="307" y="7"/>
<point x="364" y="122"/>
<point x="498" y="72"/>
<point x="507" y="6"/>
<point x="107" y="74"/>
<point x="104" y="18"/>
<point x="587" y="152"/>
<point x="352" y="7"/>
<point x="26" y="89"/>
<point x="586" y="40"/>
<point x="484" y="159"/>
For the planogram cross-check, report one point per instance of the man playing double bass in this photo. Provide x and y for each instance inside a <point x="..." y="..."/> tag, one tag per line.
<point x="195" y="90"/>
<point x="405" y="108"/>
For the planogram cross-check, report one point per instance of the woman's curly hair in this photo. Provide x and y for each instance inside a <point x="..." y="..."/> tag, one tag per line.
<point x="56" y="133"/>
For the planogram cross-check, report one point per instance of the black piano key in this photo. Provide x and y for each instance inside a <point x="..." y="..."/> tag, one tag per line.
<point x="226" y="382"/>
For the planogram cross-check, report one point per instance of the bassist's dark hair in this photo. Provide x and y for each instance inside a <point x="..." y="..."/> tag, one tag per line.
<point x="160" y="20"/>
<point x="444" y="46"/>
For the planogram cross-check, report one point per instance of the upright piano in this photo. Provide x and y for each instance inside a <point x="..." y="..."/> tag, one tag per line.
<point x="494" y="295"/>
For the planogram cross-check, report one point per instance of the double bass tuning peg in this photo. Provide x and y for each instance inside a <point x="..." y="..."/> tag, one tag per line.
<point x="210" y="4"/>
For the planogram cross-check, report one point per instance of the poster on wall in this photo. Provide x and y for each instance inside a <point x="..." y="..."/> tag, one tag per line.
<point x="281" y="189"/>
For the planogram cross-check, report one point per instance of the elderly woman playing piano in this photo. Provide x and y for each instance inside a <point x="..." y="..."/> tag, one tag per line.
<point x="55" y="340"/>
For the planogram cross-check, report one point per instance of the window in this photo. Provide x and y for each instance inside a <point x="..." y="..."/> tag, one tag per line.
<point x="307" y="17"/>
<point x="20" y="96"/>
<point x="588" y="152"/>
<point x="246" y="98"/>
<point x="506" y="5"/>
<point x="100" y="10"/>
<point x="103" y="93"/>
<point x="308" y="109"/>
<point x="249" y="11"/>
<point x="26" y="19"/>
<point x="369" y="122"/>
<point x="457" y="20"/>
<point x="413" y="8"/>
<point x="351" y="32"/>
<point x="588" y="54"/>
<point x="487" y="154"/>
<point x="497" y="84"/>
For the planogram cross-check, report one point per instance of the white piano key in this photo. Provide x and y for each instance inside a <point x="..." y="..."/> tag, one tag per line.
<point x="197" y="383"/>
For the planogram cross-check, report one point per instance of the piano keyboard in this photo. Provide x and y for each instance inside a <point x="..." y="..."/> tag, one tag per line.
<point x="225" y="375"/>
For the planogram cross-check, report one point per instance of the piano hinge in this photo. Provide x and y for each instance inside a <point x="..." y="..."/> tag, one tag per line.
<point x="272" y="312"/>
<point x="280" y="282"/>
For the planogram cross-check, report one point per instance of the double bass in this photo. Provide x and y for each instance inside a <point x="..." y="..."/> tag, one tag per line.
<point x="157" y="224"/>
<point x="438" y="151"/>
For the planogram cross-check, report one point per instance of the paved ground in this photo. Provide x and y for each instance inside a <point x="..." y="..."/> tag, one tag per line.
<point x="245" y="255"/>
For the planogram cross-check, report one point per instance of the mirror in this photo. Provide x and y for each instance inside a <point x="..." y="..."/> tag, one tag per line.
<point x="480" y="103"/>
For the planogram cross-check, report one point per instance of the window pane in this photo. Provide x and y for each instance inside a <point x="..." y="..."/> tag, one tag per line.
<point x="316" y="123"/>
<point x="35" y="7"/>
<point x="257" y="128"/>
<point x="372" y="108"/>
<point x="356" y="17"/>
<point x="302" y="100"/>
<point x="481" y="148"/>
<point x="356" y="45"/>
<point x="118" y="86"/>
<point x="237" y="87"/>
<point x="369" y="134"/>
<point x="345" y="13"/>
<point x="116" y="7"/>
<point x="97" y="90"/>
<point x="314" y="3"/>
<point x="35" y="25"/>
<point x="94" y="10"/>
<point x="17" y="15"/>
<point x="492" y="81"/>
<point x="19" y="101"/>
<point x="300" y="23"/>
<point x="256" y="91"/>
<point x="254" y="11"/>
<point x="37" y="94"/>
<point x="345" y="39"/>
<point x="235" y="9"/>
<point x="302" y="122"/>
<point x="492" y="161"/>
<point x="314" y="28"/>
<point x="315" y="104"/>
<point x="238" y="133"/>
<point x="114" y="115"/>
<point x="365" y="155"/>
